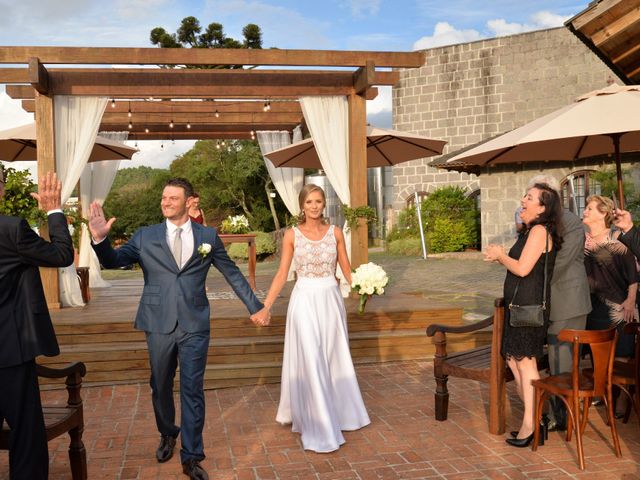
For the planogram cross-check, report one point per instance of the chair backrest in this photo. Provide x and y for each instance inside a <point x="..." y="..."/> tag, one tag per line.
<point x="603" y="349"/>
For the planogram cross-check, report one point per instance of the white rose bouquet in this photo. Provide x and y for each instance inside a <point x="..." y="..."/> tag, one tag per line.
<point x="235" y="224"/>
<point x="368" y="279"/>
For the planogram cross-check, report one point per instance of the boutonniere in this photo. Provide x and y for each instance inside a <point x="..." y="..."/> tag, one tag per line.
<point x="204" y="250"/>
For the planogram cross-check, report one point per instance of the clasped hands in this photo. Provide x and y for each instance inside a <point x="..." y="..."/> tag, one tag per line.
<point x="262" y="317"/>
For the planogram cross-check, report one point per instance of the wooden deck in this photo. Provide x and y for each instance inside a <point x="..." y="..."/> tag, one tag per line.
<point x="101" y="334"/>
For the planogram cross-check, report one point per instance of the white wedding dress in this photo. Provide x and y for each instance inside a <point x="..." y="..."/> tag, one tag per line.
<point x="319" y="393"/>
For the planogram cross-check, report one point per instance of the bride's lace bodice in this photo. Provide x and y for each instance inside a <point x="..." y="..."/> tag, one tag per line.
<point x="315" y="258"/>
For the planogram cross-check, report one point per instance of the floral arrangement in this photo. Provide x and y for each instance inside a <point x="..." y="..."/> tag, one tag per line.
<point x="235" y="224"/>
<point x="366" y="280"/>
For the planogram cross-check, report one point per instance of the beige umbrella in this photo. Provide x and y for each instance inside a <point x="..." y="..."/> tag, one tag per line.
<point x="384" y="148"/>
<point x="601" y="122"/>
<point x="19" y="143"/>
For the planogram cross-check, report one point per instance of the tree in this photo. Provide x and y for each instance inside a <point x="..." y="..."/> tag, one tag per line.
<point x="134" y="200"/>
<point x="230" y="180"/>
<point x="17" y="200"/>
<point x="190" y="34"/>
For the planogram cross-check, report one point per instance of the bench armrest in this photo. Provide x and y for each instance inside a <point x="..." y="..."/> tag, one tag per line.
<point x="69" y="370"/>
<point x="436" y="327"/>
<point x="73" y="373"/>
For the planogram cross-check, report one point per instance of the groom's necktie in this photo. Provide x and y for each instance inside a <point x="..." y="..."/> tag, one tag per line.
<point x="177" y="247"/>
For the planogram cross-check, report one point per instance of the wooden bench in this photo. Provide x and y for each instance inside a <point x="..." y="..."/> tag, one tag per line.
<point x="62" y="419"/>
<point x="484" y="364"/>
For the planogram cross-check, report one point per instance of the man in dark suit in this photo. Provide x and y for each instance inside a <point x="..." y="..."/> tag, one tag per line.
<point x="175" y="257"/>
<point x="25" y="326"/>
<point x="630" y="235"/>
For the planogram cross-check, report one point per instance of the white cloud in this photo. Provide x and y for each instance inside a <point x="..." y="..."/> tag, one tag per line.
<point x="539" y="20"/>
<point x="361" y="8"/>
<point x="445" y="34"/>
<point x="156" y="153"/>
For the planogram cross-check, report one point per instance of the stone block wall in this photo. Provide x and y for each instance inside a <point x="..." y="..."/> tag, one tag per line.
<point x="469" y="92"/>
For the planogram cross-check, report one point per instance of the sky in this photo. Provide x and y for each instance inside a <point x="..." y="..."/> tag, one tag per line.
<point x="376" y="25"/>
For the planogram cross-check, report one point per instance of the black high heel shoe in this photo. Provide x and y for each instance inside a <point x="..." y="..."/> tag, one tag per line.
<point x="524" y="442"/>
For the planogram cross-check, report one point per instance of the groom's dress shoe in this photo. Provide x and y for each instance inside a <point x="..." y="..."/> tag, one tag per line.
<point x="193" y="469"/>
<point x="165" y="449"/>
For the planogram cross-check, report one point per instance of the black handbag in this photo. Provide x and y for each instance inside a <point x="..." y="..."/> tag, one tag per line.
<point x="530" y="315"/>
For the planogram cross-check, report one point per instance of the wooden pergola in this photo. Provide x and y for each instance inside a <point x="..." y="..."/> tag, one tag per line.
<point x="213" y="103"/>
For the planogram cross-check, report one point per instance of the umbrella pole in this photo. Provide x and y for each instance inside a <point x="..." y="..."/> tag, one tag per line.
<point x="616" y="147"/>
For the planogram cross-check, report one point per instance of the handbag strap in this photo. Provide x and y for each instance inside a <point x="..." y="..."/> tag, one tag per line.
<point x="544" y="288"/>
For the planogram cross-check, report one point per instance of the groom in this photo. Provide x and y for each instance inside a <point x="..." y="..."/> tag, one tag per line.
<point x="175" y="257"/>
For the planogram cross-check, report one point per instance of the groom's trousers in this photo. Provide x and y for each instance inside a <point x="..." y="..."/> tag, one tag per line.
<point x="189" y="350"/>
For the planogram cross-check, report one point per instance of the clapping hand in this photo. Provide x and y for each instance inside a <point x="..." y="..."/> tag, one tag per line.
<point x="493" y="253"/>
<point x="98" y="225"/>
<point x="48" y="196"/>
<point x="262" y="317"/>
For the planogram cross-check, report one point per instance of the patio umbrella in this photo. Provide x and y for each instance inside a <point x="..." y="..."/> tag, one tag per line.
<point x="19" y="143"/>
<point x="598" y="123"/>
<point x="384" y="148"/>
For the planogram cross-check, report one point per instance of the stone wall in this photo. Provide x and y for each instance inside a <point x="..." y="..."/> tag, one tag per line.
<point x="469" y="92"/>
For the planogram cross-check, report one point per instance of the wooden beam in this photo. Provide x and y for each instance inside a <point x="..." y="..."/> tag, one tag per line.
<point x="204" y="56"/>
<point x="14" y="75"/>
<point x="371" y="93"/>
<point x="199" y="118"/>
<point x="358" y="175"/>
<point x="194" y="107"/>
<point x="46" y="153"/>
<point x="38" y="76"/>
<point x="364" y="78"/>
<point x="592" y="13"/>
<point x="193" y="136"/>
<point x="225" y="127"/>
<point x="613" y="29"/>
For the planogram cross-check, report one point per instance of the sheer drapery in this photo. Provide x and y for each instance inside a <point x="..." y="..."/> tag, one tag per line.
<point x="95" y="183"/>
<point x="77" y="120"/>
<point x="287" y="181"/>
<point x="328" y="122"/>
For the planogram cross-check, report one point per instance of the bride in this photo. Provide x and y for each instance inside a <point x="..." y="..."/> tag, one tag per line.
<point x="319" y="392"/>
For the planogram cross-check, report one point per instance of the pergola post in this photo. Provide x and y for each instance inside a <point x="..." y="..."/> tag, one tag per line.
<point x="358" y="175"/>
<point x="45" y="144"/>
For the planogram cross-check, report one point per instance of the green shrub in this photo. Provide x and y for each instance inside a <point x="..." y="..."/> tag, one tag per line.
<point x="17" y="200"/>
<point x="449" y="236"/>
<point x="407" y="226"/>
<point x="405" y="246"/>
<point x="265" y="246"/>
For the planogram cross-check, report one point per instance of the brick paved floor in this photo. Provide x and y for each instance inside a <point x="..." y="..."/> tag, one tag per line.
<point x="243" y="442"/>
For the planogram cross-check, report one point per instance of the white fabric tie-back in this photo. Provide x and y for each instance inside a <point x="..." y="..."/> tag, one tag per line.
<point x="76" y="121"/>
<point x="328" y="122"/>
<point x="95" y="184"/>
<point x="287" y="181"/>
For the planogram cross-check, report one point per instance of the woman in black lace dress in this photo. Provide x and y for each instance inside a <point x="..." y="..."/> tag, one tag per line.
<point x="521" y="346"/>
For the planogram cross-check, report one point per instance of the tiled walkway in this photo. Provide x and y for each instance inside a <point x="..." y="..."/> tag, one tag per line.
<point x="242" y="440"/>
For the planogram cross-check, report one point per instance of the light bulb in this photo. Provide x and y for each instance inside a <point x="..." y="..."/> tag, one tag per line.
<point x="217" y="114"/>
<point x="146" y="130"/>
<point x="171" y="124"/>
<point x="188" y="126"/>
<point x="130" y="125"/>
<point x="113" y="103"/>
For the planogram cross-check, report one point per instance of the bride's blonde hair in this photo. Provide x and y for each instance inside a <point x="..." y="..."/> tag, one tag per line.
<point x="302" y="197"/>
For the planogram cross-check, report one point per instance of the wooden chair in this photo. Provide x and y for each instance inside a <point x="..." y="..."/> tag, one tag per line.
<point x="575" y="386"/>
<point x="626" y="375"/>
<point x="62" y="419"/>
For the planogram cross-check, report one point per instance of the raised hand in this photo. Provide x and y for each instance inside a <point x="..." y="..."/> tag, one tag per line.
<point x="622" y="220"/>
<point x="48" y="196"/>
<point x="98" y="225"/>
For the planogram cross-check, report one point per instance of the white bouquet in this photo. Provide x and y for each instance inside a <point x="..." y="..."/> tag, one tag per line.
<point x="366" y="280"/>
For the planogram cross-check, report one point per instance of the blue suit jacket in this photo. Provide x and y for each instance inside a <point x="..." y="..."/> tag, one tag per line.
<point x="172" y="295"/>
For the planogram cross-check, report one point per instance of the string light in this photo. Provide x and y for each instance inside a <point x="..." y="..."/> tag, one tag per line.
<point x="218" y="144"/>
<point x="129" y="112"/>
<point x="113" y="103"/>
<point x="130" y="125"/>
<point x="188" y="126"/>
<point x="162" y="146"/>
<point x="223" y="143"/>
<point x="146" y="130"/>
<point x="265" y="107"/>
<point x="217" y="114"/>
<point x="171" y="123"/>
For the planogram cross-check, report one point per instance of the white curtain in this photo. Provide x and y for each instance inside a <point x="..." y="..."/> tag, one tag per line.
<point x="76" y="122"/>
<point x="288" y="181"/>
<point x="95" y="183"/>
<point x="328" y="122"/>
